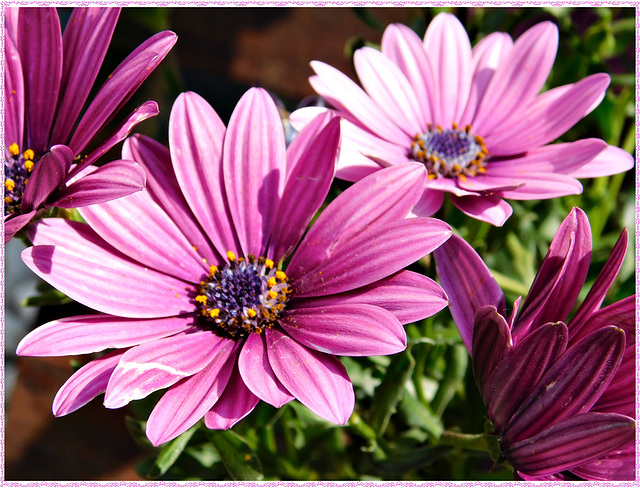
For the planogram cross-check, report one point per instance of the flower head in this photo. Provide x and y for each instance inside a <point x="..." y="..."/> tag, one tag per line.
<point x="472" y="117"/>
<point x="209" y="286"/>
<point x="48" y="77"/>
<point x="559" y="393"/>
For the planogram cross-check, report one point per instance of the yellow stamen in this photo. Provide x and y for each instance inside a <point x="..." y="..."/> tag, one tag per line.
<point x="29" y="166"/>
<point x="7" y="200"/>
<point x="281" y="275"/>
<point x="231" y="255"/>
<point x="268" y="263"/>
<point x="214" y="313"/>
<point x="201" y="299"/>
<point x="251" y="312"/>
<point x="463" y="178"/>
<point x="213" y="269"/>
<point x="9" y="184"/>
<point x="28" y="154"/>
<point x="271" y="282"/>
<point x="272" y="294"/>
<point x="432" y="176"/>
<point x="14" y="149"/>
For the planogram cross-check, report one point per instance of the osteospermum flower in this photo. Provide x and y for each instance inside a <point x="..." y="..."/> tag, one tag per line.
<point x="473" y="117"/>
<point x="191" y="273"/>
<point x="560" y="394"/>
<point x="48" y="77"/>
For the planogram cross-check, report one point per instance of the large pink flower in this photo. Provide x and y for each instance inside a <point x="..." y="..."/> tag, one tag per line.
<point x="190" y="272"/>
<point x="48" y="77"/>
<point x="473" y="117"/>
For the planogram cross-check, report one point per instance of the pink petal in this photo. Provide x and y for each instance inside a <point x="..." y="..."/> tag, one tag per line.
<point x="85" y="334"/>
<point x="163" y="187"/>
<point x="622" y="314"/>
<point x="136" y="223"/>
<point x="301" y="117"/>
<point x="317" y="380"/>
<point x="257" y="373"/>
<point x="517" y="185"/>
<point x="158" y="364"/>
<point x="467" y="282"/>
<point x="196" y="136"/>
<point x="358" y="139"/>
<point x="518" y="78"/>
<point x="85" y="384"/>
<point x="64" y="251"/>
<point x="39" y="43"/>
<point x="346" y="96"/>
<point x="381" y="197"/>
<point x="254" y="165"/>
<point x="346" y="330"/>
<point x="307" y="185"/>
<point x="491" y="209"/>
<point x="407" y="295"/>
<point x="403" y="46"/>
<point x="120" y="86"/>
<point x="449" y="53"/>
<point x="377" y="252"/>
<point x="85" y="41"/>
<point x="236" y="403"/>
<point x="620" y="465"/>
<point x="48" y="175"/>
<point x="14" y="223"/>
<point x="189" y="400"/>
<point x="430" y="202"/>
<point x="611" y="161"/>
<point x="389" y="89"/>
<point x="13" y="93"/>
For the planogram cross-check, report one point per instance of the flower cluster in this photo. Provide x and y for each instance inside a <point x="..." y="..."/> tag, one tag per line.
<point x="222" y="274"/>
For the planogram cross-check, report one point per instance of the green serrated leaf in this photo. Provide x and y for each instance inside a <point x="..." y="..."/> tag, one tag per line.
<point x="169" y="453"/>
<point x="241" y="462"/>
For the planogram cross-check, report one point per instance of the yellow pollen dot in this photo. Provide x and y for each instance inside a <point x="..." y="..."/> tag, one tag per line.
<point x="456" y="167"/>
<point x="482" y="170"/>
<point x="214" y="313"/>
<point x="29" y="166"/>
<point x="231" y="255"/>
<point x="272" y="294"/>
<point x="454" y="126"/>
<point x="195" y="248"/>
<point x="463" y="178"/>
<point x="271" y="282"/>
<point x="251" y="312"/>
<point x="281" y="275"/>
<point x="213" y="269"/>
<point x="432" y="177"/>
<point x="14" y="149"/>
<point x="9" y="184"/>
<point x="268" y="263"/>
<point x="28" y="154"/>
<point x="7" y="200"/>
<point x="201" y="299"/>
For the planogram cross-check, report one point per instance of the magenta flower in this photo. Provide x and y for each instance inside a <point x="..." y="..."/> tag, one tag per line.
<point x="190" y="272"/>
<point x="48" y="77"/>
<point x="560" y="397"/>
<point x="473" y="117"/>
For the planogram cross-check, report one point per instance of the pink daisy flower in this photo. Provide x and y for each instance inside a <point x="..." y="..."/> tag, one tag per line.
<point x="192" y="278"/>
<point x="48" y="77"/>
<point x="473" y="117"/>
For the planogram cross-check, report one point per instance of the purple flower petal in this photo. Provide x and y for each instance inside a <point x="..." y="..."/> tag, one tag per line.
<point x="346" y="330"/>
<point x="136" y="223"/>
<point x="113" y="180"/>
<point x="236" y="403"/>
<point x="518" y="78"/>
<point x="257" y="373"/>
<point x="13" y="224"/>
<point x="85" y="41"/>
<point x="571" y="442"/>
<point x="517" y="185"/>
<point x="39" y="43"/>
<point x="609" y="162"/>
<point x="85" y="384"/>
<point x="307" y="184"/>
<point x="195" y="137"/>
<point x="619" y="397"/>
<point x="384" y="196"/>
<point x="571" y="385"/>
<point x="188" y="401"/>
<point x="468" y="283"/>
<point x="377" y="252"/>
<point x="64" y="251"/>
<point x="120" y="86"/>
<point x="254" y="168"/>
<point x="85" y="334"/>
<point x="158" y="364"/>
<point x="491" y="343"/>
<point x="619" y="466"/>
<point x="514" y="378"/>
<point x="430" y="202"/>
<point x="48" y="175"/>
<point x="389" y="89"/>
<point x="13" y="93"/>
<point x="622" y="314"/>
<point x="317" y="380"/>
<point x="165" y="191"/>
<point x="449" y="50"/>
<point x="491" y="209"/>
<point x="407" y="295"/>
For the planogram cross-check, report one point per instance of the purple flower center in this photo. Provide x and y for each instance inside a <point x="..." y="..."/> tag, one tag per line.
<point x="244" y="296"/>
<point x="450" y="153"/>
<point x="17" y="169"/>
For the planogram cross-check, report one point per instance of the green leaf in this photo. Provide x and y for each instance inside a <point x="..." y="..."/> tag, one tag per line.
<point x="241" y="462"/>
<point x="413" y="459"/>
<point x="169" y="453"/>
<point x="48" y="297"/>
<point x="137" y="429"/>
<point x="418" y="415"/>
<point x="457" y="359"/>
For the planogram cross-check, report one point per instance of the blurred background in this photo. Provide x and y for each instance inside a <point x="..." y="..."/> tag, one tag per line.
<point x="220" y="53"/>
